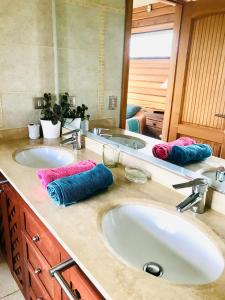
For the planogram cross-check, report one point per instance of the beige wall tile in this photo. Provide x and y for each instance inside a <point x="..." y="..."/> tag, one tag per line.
<point x="114" y="40"/>
<point x="26" y="22"/>
<point x="18" y="110"/>
<point x="77" y="69"/>
<point x="26" y="68"/>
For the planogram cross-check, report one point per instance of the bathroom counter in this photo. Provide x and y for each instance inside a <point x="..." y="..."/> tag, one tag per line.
<point x="78" y="229"/>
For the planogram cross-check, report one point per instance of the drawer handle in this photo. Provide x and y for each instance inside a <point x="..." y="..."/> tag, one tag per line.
<point x="37" y="271"/>
<point x="39" y="298"/>
<point x="35" y="238"/>
<point x="55" y="272"/>
<point x="154" y="124"/>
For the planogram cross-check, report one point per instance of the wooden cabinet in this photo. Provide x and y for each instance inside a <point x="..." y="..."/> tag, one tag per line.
<point x="154" y="124"/>
<point x="31" y="251"/>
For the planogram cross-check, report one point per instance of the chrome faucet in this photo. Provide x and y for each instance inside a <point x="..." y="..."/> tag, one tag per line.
<point x="75" y="139"/>
<point x="196" y="202"/>
<point x="220" y="174"/>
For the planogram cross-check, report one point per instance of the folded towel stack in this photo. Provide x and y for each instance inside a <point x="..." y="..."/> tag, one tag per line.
<point x="48" y="175"/>
<point x="162" y="151"/>
<point x="188" y="154"/>
<point x="72" y="189"/>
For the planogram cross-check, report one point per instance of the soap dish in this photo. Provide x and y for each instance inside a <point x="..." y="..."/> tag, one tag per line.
<point x="136" y="175"/>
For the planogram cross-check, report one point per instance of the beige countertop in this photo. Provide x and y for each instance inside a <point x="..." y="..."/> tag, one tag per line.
<point x="77" y="228"/>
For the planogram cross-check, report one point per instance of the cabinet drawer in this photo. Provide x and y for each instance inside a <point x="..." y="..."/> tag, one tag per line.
<point x="39" y="265"/>
<point x="154" y="123"/>
<point x="82" y="286"/>
<point x="40" y="236"/>
<point x="35" y="285"/>
<point x="155" y="116"/>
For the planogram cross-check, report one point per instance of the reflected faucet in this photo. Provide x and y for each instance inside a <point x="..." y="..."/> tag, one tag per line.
<point x="98" y="131"/>
<point x="75" y="139"/>
<point x="196" y="202"/>
<point x="220" y="174"/>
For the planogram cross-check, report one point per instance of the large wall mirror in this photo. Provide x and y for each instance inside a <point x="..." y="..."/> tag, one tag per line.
<point x="173" y="75"/>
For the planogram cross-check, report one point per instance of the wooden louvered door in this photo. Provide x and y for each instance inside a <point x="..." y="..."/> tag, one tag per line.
<point x="10" y="227"/>
<point x="200" y="81"/>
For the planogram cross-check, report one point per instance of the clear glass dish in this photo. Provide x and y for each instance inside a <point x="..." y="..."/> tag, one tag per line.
<point x="135" y="175"/>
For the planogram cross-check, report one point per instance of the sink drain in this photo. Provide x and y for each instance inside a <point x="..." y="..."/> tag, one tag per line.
<point x="153" y="269"/>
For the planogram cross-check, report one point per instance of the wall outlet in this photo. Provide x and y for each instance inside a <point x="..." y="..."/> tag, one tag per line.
<point x="39" y="102"/>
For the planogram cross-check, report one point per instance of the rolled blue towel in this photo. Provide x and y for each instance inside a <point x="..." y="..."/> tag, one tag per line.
<point x="72" y="189"/>
<point x="182" y="155"/>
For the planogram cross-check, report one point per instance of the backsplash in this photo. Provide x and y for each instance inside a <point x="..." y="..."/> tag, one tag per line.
<point x="89" y="52"/>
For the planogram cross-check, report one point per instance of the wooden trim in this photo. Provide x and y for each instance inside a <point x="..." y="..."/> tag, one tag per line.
<point x="125" y="75"/>
<point x="180" y="70"/>
<point x="205" y="133"/>
<point x="144" y="29"/>
<point x="172" y="72"/>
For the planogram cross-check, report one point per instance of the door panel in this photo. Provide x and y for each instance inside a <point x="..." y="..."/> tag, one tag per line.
<point x="200" y="87"/>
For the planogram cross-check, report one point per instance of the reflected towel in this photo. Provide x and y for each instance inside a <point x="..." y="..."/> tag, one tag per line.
<point x="72" y="189"/>
<point x="188" y="154"/>
<point x="48" y="175"/>
<point x="162" y="150"/>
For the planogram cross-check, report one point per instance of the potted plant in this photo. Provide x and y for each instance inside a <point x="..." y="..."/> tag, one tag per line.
<point x="51" y="118"/>
<point x="74" y="117"/>
<point x="70" y="115"/>
<point x="84" y="118"/>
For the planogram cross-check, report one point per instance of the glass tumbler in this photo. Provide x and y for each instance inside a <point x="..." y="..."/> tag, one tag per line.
<point x="111" y="155"/>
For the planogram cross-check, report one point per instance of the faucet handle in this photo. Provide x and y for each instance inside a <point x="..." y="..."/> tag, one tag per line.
<point x="192" y="183"/>
<point x="71" y="132"/>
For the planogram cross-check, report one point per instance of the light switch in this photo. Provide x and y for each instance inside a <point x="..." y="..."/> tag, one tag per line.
<point x="39" y="102"/>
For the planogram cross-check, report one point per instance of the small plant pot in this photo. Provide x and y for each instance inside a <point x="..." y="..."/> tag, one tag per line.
<point x="73" y="124"/>
<point x="50" y="131"/>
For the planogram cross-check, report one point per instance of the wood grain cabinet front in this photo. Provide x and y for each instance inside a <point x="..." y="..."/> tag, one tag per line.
<point x="11" y="232"/>
<point x="82" y="286"/>
<point x="31" y="251"/>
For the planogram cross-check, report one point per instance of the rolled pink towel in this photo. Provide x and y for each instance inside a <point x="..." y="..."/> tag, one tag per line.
<point x="48" y="175"/>
<point x="162" y="150"/>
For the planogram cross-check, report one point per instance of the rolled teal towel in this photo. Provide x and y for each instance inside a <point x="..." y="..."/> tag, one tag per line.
<point x="182" y="155"/>
<point x="72" y="189"/>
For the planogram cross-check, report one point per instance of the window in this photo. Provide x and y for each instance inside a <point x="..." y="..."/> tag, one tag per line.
<point x="156" y="44"/>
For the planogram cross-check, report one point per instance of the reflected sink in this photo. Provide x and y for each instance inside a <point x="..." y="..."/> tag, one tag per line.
<point x="44" y="157"/>
<point x="127" y="140"/>
<point x="141" y="234"/>
<point x="210" y="173"/>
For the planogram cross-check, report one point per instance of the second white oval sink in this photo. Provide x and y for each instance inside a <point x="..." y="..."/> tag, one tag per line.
<point x="44" y="157"/>
<point x="141" y="234"/>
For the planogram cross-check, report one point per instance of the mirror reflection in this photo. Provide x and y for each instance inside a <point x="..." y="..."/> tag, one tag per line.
<point x="175" y="94"/>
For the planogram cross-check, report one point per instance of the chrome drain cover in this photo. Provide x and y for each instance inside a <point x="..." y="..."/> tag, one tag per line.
<point x="153" y="269"/>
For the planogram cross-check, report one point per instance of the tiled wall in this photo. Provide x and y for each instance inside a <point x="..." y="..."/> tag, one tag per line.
<point x="26" y="58"/>
<point x="90" y="51"/>
<point x="90" y="54"/>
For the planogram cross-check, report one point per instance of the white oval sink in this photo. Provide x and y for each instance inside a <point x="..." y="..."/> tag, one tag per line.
<point x="141" y="234"/>
<point x="44" y="157"/>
